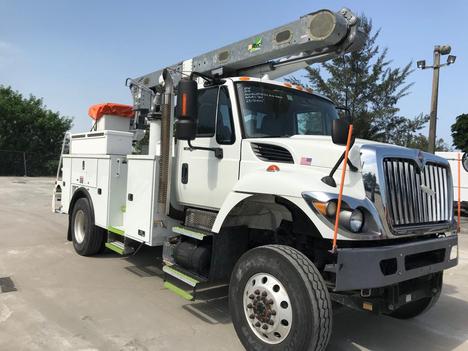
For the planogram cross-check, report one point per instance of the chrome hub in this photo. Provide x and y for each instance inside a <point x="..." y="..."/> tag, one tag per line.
<point x="267" y="308"/>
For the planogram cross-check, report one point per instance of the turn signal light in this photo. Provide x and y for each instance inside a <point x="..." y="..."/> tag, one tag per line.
<point x="273" y="168"/>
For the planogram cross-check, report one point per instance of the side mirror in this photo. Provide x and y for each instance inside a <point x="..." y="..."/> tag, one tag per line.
<point x="187" y="110"/>
<point x="465" y="161"/>
<point x="345" y="113"/>
<point x="340" y="129"/>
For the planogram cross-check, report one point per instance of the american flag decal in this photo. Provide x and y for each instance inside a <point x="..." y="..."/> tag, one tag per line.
<point x="306" y="161"/>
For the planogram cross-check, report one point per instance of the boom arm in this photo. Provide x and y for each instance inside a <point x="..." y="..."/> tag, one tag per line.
<point x="315" y="37"/>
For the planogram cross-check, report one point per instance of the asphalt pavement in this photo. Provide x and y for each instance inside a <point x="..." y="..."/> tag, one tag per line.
<point x="54" y="299"/>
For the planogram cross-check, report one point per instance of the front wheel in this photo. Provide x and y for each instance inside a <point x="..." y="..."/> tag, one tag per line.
<point x="279" y="301"/>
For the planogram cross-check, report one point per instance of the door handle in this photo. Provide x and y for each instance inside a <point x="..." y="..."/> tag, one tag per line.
<point x="184" y="175"/>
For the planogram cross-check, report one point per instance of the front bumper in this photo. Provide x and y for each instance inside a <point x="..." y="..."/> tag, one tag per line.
<point x="374" y="267"/>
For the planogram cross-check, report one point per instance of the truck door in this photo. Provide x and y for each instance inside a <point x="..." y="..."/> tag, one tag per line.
<point x="202" y="179"/>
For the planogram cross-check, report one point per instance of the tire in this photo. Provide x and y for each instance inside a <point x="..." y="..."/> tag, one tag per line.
<point x="304" y="323"/>
<point x="418" y="307"/>
<point x="87" y="238"/>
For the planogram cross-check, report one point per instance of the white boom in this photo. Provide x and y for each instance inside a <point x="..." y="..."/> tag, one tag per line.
<point x="315" y="37"/>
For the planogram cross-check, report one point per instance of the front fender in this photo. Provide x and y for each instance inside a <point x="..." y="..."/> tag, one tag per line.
<point x="287" y="184"/>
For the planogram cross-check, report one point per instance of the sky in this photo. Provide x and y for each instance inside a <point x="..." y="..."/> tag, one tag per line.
<point x="74" y="54"/>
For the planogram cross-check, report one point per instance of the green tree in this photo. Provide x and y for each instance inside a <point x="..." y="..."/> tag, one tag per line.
<point x="460" y="132"/>
<point x="421" y="142"/>
<point x="27" y="126"/>
<point x="365" y="83"/>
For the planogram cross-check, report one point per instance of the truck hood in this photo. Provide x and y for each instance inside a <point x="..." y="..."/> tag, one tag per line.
<point x="314" y="150"/>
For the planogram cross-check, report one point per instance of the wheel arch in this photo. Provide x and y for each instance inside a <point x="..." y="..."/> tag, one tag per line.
<point x="252" y="220"/>
<point x="239" y="207"/>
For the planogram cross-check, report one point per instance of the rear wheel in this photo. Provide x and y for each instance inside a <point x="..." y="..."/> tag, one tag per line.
<point x="279" y="301"/>
<point x="87" y="238"/>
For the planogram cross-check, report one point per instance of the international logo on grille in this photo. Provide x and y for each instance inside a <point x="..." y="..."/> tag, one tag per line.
<point x="427" y="190"/>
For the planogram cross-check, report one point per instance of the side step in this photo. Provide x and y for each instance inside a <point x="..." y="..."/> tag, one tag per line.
<point x="119" y="247"/>
<point x="176" y="277"/>
<point x="191" y="233"/>
<point x="179" y="291"/>
<point x="184" y="277"/>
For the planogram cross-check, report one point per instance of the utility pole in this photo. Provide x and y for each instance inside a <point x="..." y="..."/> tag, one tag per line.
<point x="434" y="101"/>
<point x="438" y="51"/>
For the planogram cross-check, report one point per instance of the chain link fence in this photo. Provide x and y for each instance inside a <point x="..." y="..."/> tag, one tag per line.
<point x="31" y="164"/>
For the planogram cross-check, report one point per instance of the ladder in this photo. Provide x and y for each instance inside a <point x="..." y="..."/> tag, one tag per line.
<point x="315" y="37"/>
<point x="57" y="192"/>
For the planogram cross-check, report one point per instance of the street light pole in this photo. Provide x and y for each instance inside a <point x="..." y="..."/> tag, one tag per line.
<point x="434" y="100"/>
<point x="438" y="51"/>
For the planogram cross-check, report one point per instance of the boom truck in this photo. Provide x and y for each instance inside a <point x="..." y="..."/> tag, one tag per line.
<point x="240" y="186"/>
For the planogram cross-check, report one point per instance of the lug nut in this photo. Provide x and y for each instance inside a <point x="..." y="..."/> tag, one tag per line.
<point x="270" y="302"/>
<point x="251" y="296"/>
<point x="264" y="294"/>
<point x="270" y="322"/>
<point x="252" y="316"/>
<point x="257" y="324"/>
<point x="273" y="313"/>
<point x="265" y="327"/>
<point x="249" y="305"/>
<point x="257" y="292"/>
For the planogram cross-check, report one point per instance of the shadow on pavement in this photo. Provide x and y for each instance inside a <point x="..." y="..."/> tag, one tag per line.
<point x="442" y="328"/>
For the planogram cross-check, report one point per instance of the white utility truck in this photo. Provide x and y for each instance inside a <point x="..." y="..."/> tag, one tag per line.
<point x="452" y="158"/>
<point x="239" y="186"/>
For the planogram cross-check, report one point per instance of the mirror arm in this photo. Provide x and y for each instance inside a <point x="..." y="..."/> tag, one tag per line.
<point x="217" y="150"/>
<point x="329" y="180"/>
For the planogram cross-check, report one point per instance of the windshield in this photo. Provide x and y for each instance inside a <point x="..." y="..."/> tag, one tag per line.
<point x="269" y="110"/>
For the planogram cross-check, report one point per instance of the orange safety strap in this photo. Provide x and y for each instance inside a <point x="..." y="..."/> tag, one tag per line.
<point x="340" y="194"/>
<point x="459" y="194"/>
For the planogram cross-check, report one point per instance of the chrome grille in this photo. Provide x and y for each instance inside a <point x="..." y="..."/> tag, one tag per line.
<point x="417" y="196"/>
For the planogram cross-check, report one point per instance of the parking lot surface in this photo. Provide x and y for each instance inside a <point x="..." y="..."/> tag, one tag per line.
<point x="57" y="300"/>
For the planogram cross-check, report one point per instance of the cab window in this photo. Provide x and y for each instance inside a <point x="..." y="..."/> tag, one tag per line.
<point x="224" y="123"/>
<point x="207" y="112"/>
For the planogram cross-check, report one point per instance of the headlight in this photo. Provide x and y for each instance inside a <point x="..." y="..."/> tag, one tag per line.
<point x="356" y="220"/>
<point x="353" y="220"/>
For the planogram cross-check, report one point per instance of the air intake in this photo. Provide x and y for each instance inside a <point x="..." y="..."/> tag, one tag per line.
<point x="272" y="153"/>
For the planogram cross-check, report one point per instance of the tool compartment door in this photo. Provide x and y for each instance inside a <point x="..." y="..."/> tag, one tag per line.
<point x="141" y="196"/>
